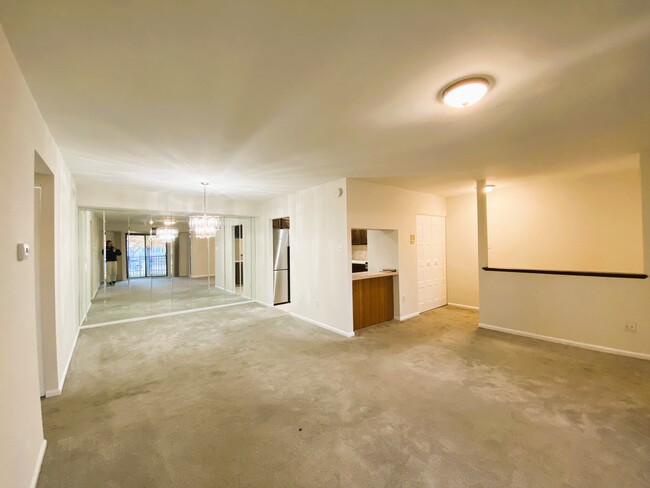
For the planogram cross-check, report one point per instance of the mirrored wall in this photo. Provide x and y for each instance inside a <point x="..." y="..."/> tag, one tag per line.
<point x="128" y="269"/>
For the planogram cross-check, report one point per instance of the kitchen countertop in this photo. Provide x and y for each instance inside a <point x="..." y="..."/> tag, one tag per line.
<point x="366" y="275"/>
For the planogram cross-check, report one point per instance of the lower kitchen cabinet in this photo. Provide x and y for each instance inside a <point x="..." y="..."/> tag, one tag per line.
<point x="372" y="301"/>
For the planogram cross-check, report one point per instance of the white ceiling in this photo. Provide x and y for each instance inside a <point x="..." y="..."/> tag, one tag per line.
<point x="264" y="97"/>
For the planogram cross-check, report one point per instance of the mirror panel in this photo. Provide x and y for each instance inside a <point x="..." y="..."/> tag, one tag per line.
<point x="127" y="271"/>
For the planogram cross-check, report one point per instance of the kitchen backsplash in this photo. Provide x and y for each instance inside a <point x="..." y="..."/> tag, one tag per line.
<point x="360" y="253"/>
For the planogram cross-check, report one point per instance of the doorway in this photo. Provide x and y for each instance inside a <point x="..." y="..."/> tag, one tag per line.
<point x="281" y="262"/>
<point x="432" y="262"/>
<point x="238" y="256"/>
<point x="42" y="253"/>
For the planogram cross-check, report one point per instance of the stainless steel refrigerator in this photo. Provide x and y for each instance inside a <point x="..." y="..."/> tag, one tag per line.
<point x="281" y="261"/>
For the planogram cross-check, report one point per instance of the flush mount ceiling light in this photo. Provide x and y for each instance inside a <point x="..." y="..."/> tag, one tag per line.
<point x="168" y="222"/>
<point x="466" y="92"/>
<point x="204" y="226"/>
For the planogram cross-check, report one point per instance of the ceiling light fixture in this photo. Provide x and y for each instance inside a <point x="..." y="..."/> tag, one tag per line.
<point x="168" y="222"/>
<point x="204" y="226"/>
<point x="466" y="92"/>
<point x="489" y="188"/>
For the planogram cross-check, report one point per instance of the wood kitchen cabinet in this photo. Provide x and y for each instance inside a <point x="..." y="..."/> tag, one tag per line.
<point x="372" y="300"/>
<point x="359" y="237"/>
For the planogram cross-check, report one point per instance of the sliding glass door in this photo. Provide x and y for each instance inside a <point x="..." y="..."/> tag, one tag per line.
<point x="146" y="256"/>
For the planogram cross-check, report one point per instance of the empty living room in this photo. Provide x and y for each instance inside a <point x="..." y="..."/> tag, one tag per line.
<point x="271" y="243"/>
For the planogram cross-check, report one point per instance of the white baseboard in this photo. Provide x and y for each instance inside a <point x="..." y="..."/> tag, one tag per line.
<point x="67" y="364"/>
<point x="460" y="305"/>
<point x="567" y="342"/>
<point x="322" y="325"/>
<point x="86" y="314"/>
<point x="166" y="314"/>
<point x="402" y="318"/>
<point x="39" y="463"/>
<point x="59" y="390"/>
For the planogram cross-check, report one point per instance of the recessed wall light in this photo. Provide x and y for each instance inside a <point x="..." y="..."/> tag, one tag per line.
<point x="466" y="92"/>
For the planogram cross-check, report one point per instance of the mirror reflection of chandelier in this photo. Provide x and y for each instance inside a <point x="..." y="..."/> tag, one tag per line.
<point x="167" y="234"/>
<point x="204" y="226"/>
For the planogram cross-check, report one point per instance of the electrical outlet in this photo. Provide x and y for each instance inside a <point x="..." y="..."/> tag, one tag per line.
<point x="317" y="304"/>
<point x="630" y="326"/>
<point x="403" y="298"/>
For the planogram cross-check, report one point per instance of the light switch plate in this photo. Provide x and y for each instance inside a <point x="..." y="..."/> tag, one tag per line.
<point x="22" y="251"/>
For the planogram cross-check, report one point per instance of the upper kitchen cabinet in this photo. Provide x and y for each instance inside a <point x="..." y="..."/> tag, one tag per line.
<point x="359" y="237"/>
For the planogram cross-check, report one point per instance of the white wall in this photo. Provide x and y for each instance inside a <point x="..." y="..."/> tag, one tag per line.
<point x="586" y="223"/>
<point x="113" y="197"/>
<point x="272" y="209"/>
<point x="587" y="310"/>
<point x="320" y="275"/>
<point x="382" y="250"/>
<point x="321" y="256"/>
<point x="372" y="206"/>
<point x="462" y="251"/>
<point x="90" y="245"/>
<point x="22" y="132"/>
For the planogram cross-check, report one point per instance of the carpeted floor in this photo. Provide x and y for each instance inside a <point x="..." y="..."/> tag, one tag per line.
<point x="249" y="396"/>
<point x="152" y="296"/>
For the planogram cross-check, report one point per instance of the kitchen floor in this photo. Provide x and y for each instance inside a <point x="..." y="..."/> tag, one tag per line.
<point x="251" y="396"/>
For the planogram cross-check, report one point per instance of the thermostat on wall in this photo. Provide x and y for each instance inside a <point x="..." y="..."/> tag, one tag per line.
<point x="23" y="251"/>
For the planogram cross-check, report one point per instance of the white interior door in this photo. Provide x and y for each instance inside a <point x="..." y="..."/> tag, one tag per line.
<point x="432" y="262"/>
<point x="439" y="261"/>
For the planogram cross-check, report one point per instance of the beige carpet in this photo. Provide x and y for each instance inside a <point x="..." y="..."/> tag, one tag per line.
<point x="248" y="396"/>
<point x="144" y="297"/>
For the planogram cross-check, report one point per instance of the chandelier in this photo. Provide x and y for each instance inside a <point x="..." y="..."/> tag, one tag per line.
<point x="204" y="226"/>
<point x="167" y="234"/>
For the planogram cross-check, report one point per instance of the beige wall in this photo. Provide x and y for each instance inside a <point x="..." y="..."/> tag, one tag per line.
<point x="372" y="206"/>
<point x="22" y="133"/>
<point x="183" y="261"/>
<point x="199" y="257"/>
<point x="590" y="223"/>
<point x="462" y="251"/>
<point x="588" y="310"/>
